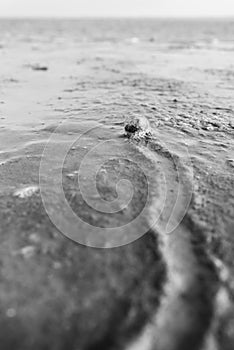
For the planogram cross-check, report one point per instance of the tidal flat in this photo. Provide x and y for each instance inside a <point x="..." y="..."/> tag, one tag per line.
<point x="118" y="277"/>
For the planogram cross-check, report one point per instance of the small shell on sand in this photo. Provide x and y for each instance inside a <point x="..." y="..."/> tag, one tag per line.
<point x="137" y="125"/>
<point x="26" y="191"/>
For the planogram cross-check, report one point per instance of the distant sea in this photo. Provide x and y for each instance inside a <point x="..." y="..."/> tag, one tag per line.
<point x="172" y="33"/>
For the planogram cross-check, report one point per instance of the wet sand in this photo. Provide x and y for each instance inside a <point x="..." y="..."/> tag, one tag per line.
<point x="163" y="291"/>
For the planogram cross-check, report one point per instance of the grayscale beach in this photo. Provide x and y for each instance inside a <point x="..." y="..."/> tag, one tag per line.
<point x="83" y="80"/>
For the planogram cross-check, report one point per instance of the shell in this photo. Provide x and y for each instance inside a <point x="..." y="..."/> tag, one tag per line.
<point x="26" y="191"/>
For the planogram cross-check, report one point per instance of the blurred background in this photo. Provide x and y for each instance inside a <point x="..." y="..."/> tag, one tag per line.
<point x="77" y="8"/>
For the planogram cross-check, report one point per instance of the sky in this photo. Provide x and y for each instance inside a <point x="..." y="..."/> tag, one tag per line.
<point x="116" y="8"/>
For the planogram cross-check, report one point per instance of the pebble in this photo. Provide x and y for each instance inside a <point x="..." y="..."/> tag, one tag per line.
<point x="224" y="273"/>
<point x="38" y="67"/>
<point x="28" y="251"/>
<point x="34" y="237"/>
<point x="134" y="40"/>
<point x="57" y="265"/>
<point x="134" y="124"/>
<point x="223" y="301"/>
<point x="11" y="313"/>
<point x="72" y="175"/>
<point x="26" y="192"/>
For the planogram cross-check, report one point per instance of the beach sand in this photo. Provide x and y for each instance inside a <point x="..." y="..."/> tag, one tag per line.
<point x="80" y="81"/>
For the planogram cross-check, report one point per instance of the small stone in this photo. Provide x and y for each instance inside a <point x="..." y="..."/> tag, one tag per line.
<point x="131" y="128"/>
<point x="11" y="313"/>
<point x="223" y="301"/>
<point x="134" y="124"/>
<point x="134" y="40"/>
<point x="34" y="237"/>
<point x="28" y="251"/>
<point x="38" y="67"/>
<point x="57" y="265"/>
<point x="26" y="192"/>
<point x="72" y="175"/>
